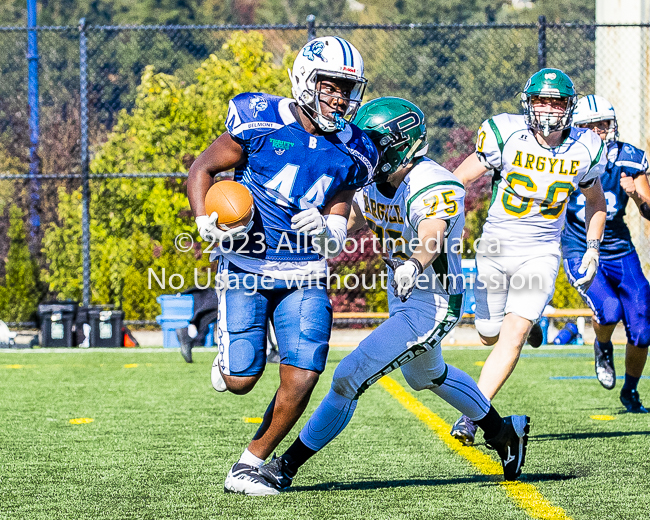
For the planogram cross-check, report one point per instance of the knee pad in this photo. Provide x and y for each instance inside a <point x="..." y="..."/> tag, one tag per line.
<point x="344" y="382"/>
<point x="419" y="381"/>
<point x="610" y="311"/>
<point x="245" y="354"/>
<point x="641" y="339"/>
<point x="303" y="323"/>
<point x="427" y="371"/>
<point x="488" y="328"/>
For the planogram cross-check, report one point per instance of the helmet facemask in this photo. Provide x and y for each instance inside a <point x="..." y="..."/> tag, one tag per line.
<point x="546" y="122"/>
<point x="596" y="109"/>
<point x="395" y="153"/>
<point x="612" y="132"/>
<point x="311" y="97"/>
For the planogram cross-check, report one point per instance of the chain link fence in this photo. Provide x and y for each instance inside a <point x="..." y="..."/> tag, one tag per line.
<point x="91" y="78"/>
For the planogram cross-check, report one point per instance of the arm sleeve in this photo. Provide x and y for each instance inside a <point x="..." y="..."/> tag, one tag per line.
<point x="358" y="198"/>
<point x="234" y="123"/>
<point x="596" y="168"/>
<point x="442" y="200"/>
<point x="632" y="161"/>
<point x="489" y="145"/>
<point x="250" y="115"/>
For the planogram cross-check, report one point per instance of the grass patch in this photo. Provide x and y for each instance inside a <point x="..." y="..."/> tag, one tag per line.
<point x="133" y="435"/>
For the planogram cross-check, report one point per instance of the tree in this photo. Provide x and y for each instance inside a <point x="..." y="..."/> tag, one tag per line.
<point x="134" y="221"/>
<point x="20" y="293"/>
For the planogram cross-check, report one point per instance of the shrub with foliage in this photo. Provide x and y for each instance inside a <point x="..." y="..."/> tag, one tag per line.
<point x="134" y="221"/>
<point x="19" y="291"/>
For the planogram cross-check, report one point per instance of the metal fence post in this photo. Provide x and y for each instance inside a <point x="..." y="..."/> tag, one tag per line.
<point x="85" y="214"/>
<point x="311" y="27"/>
<point x="32" y="95"/>
<point x="541" y="43"/>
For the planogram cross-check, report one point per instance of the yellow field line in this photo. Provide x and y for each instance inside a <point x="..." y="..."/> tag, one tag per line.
<point x="526" y="496"/>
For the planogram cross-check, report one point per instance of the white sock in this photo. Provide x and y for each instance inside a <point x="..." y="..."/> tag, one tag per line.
<point x="248" y="458"/>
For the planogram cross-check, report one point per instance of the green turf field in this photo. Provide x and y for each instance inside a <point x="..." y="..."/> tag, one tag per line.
<point x="161" y="442"/>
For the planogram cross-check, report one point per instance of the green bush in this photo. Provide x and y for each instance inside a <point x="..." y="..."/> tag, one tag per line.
<point x="134" y="221"/>
<point x="566" y="297"/>
<point x="20" y="291"/>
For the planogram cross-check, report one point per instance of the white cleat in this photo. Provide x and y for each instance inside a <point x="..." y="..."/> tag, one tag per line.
<point x="246" y="480"/>
<point x="217" y="379"/>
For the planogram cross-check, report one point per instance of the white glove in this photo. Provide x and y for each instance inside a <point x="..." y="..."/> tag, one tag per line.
<point x="404" y="276"/>
<point x="210" y="232"/>
<point x="588" y="267"/>
<point x="309" y="222"/>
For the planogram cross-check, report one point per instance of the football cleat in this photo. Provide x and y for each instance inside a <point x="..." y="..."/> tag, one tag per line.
<point x="186" y="344"/>
<point x="535" y="336"/>
<point x="604" y="364"/>
<point x="276" y="473"/>
<point x="510" y="444"/>
<point x="464" y="430"/>
<point x="217" y="379"/>
<point x="632" y="401"/>
<point x="245" y="480"/>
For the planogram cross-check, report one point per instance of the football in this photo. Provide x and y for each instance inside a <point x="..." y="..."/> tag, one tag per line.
<point x="233" y="203"/>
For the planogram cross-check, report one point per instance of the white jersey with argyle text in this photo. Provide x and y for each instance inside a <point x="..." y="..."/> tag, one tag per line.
<point x="428" y="191"/>
<point x="531" y="183"/>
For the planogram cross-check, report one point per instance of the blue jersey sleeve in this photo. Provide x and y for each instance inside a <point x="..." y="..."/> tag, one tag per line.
<point x="252" y="115"/>
<point x="364" y="156"/>
<point x="631" y="160"/>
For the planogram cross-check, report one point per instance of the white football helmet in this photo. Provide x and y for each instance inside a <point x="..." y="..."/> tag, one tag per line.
<point x="591" y="109"/>
<point x="328" y="57"/>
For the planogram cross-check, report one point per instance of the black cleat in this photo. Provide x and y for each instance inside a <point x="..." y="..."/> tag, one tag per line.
<point x="535" y="336"/>
<point x="604" y="363"/>
<point x="632" y="401"/>
<point x="186" y="344"/>
<point x="464" y="430"/>
<point x="510" y="444"/>
<point x="277" y="474"/>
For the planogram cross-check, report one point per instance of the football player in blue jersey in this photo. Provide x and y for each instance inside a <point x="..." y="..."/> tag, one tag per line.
<point x="302" y="161"/>
<point x="619" y="291"/>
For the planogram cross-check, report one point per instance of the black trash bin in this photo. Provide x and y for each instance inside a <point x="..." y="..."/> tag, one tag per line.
<point x="57" y="319"/>
<point x="105" y="327"/>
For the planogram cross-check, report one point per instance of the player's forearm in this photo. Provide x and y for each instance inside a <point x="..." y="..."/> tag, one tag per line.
<point x="641" y="193"/>
<point x="356" y="221"/>
<point x="595" y="220"/>
<point x="426" y="252"/>
<point x="222" y="155"/>
<point x="355" y="224"/>
<point x="431" y="233"/>
<point x="470" y="170"/>
<point x="198" y="184"/>
<point x="595" y="211"/>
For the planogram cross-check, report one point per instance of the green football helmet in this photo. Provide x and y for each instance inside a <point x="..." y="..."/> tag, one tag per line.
<point x="399" y="132"/>
<point x="550" y="83"/>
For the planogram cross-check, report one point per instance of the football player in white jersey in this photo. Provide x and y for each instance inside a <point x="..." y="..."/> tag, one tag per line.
<point x="415" y="205"/>
<point x="538" y="159"/>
